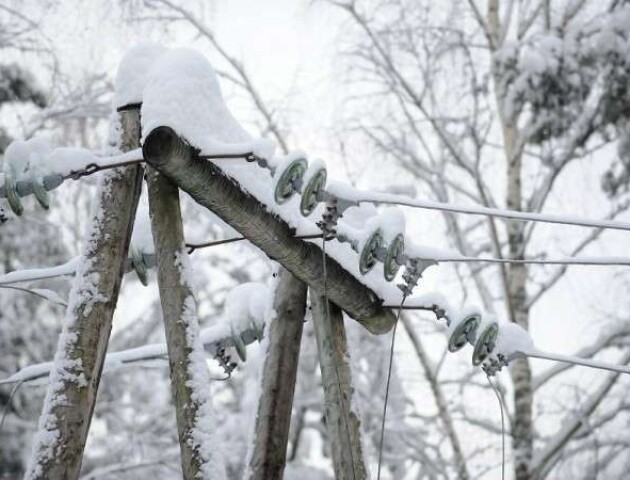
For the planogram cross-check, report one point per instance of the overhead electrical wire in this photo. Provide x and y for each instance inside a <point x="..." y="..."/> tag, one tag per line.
<point x="556" y="357"/>
<point x="391" y="199"/>
<point x="582" y="261"/>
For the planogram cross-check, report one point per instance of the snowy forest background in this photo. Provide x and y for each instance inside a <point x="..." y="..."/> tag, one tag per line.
<point x="519" y="104"/>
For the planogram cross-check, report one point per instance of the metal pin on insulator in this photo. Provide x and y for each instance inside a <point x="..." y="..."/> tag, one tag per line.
<point x="494" y="364"/>
<point x="414" y="268"/>
<point x="330" y="216"/>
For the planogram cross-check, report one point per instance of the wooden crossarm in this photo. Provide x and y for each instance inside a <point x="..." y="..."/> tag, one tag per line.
<point x="209" y="186"/>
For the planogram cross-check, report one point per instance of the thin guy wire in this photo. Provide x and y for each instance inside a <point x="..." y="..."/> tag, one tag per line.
<point x="93" y="168"/>
<point x="389" y="375"/>
<point x="496" y="392"/>
<point x="343" y="407"/>
<point x="194" y="246"/>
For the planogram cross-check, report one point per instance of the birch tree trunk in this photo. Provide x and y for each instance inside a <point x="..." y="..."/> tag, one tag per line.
<point x="342" y="417"/>
<point x="520" y="371"/>
<point x="65" y="420"/>
<point x="273" y="418"/>
<point x="522" y="430"/>
<point x="190" y="381"/>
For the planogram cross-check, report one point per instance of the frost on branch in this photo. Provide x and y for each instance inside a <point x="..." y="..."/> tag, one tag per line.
<point x="551" y="74"/>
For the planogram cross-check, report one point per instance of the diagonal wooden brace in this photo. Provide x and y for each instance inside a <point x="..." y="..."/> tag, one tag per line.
<point x="342" y="416"/>
<point x="206" y="183"/>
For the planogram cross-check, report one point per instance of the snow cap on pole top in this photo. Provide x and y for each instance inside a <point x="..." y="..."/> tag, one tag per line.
<point x="132" y="74"/>
<point x="182" y="92"/>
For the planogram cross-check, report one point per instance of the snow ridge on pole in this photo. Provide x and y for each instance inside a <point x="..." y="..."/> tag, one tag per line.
<point x="206" y="183"/>
<point x="190" y="380"/>
<point x="74" y="379"/>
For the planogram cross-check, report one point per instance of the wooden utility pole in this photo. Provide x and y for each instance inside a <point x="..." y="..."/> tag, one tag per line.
<point x="273" y="419"/>
<point x="190" y="381"/>
<point x="342" y="418"/>
<point x="74" y="379"/>
<point x="164" y="150"/>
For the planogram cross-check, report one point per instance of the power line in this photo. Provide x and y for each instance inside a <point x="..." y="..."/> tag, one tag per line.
<point x="391" y="199"/>
<point x="68" y="268"/>
<point x="454" y="257"/>
<point x="577" y="361"/>
<point x="592" y="261"/>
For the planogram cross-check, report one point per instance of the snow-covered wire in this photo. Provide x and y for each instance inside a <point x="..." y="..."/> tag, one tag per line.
<point x="576" y="361"/>
<point x="590" y="261"/>
<point x="350" y="194"/>
<point x="448" y="257"/>
<point x="214" y="339"/>
<point x="68" y="268"/>
<point x="46" y="295"/>
<point x="28" y="275"/>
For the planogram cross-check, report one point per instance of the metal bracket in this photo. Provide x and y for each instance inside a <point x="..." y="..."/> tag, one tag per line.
<point x="494" y="364"/>
<point x="414" y="268"/>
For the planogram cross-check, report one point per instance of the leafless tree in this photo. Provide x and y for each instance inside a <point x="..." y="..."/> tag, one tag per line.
<point x="474" y="99"/>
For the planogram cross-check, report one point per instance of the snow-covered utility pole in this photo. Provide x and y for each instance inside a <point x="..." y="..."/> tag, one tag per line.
<point x="74" y="379"/>
<point x="342" y="417"/>
<point x="205" y="182"/>
<point x="283" y="337"/>
<point x="190" y="381"/>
